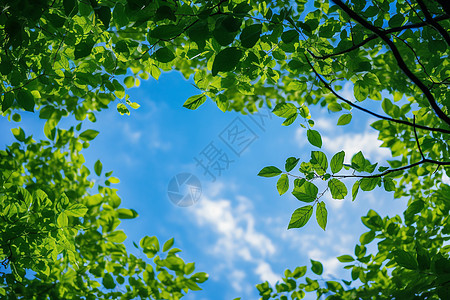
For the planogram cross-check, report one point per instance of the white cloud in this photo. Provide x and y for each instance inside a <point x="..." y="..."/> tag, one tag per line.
<point x="236" y="238"/>
<point x="264" y="271"/>
<point x="352" y="143"/>
<point x="133" y="135"/>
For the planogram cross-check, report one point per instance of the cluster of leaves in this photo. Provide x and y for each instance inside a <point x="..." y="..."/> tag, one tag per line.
<point x="53" y="226"/>
<point x="76" y="57"/>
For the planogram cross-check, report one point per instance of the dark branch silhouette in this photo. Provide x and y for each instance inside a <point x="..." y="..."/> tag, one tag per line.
<point x="369" y="111"/>
<point x="401" y="63"/>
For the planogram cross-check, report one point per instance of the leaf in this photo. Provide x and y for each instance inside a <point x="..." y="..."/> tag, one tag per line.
<point x="164" y="55"/>
<point x="108" y="281"/>
<point x="314" y="138"/>
<point x="168" y="244"/>
<point x="226" y="60"/>
<point x="114" y="179"/>
<point x="88" y="135"/>
<point x="125" y="213"/>
<point x="319" y="162"/>
<point x="166" y="32"/>
<point x="164" y="12"/>
<point x="62" y="220"/>
<point x="250" y="35"/>
<point x="269" y="172"/>
<point x="344" y="119"/>
<point x="76" y="210"/>
<point x="70" y="7"/>
<point x="337" y="162"/>
<point x="290" y="120"/>
<point x="84" y="48"/>
<point x="337" y="188"/>
<point x="367" y="237"/>
<point x="321" y="215"/>
<point x="98" y="167"/>
<point x="285" y="110"/>
<point x="307" y="192"/>
<point x="345" y="258"/>
<point x="317" y="267"/>
<point x="104" y="14"/>
<point x="290" y="36"/>
<point x="283" y="184"/>
<point x="195" y="101"/>
<point x="25" y="100"/>
<point x="368" y="184"/>
<point x="358" y="161"/>
<point x="300" y="217"/>
<point x="405" y="259"/>
<point x="355" y="189"/>
<point x="291" y="162"/>
<point x="117" y="236"/>
<point x="122" y="109"/>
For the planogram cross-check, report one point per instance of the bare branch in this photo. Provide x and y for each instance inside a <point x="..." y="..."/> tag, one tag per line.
<point x="429" y="19"/>
<point x="374" y="36"/>
<point x="371" y="112"/>
<point x="401" y="63"/>
<point x="417" y="139"/>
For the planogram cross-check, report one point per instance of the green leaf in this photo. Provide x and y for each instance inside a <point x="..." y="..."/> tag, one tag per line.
<point x="98" y="167"/>
<point x="368" y="184"/>
<point x="108" y="281"/>
<point x="84" y="48"/>
<point x="337" y="162"/>
<point x="164" y="55"/>
<point x="355" y="189"/>
<point x="70" y="7"/>
<point x="345" y="258"/>
<point x="307" y="192"/>
<point x="195" y="101"/>
<point x="166" y="32"/>
<point x="289" y="120"/>
<point x="62" y="220"/>
<point x="8" y="100"/>
<point x="25" y="100"/>
<point x="122" y="109"/>
<point x="344" y="119"/>
<point x="314" y="138"/>
<point x="125" y="213"/>
<point x="168" y="244"/>
<point x="76" y="210"/>
<point x="104" y="14"/>
<point x="317" y="267"/>
<point x="164" y="12"/>
<point x="114" y="179"/>
<point x="285" y="110"/>
<point x="321" y="215"/>
<point x="283" y="184"/>
<point x="269" y="172"/>
<point x="367" y="237"/>
<point x="319" y="161"/>
<point x="300" y="217"/>
<point x="405" y="259"/>
<point x="226" y="60"/>
<point x="337" y="188"/>
<point x="119" y="15"/>
<point x="88" y="135"/>
<point x="358" y="161"/>
<point x="117" y="237"/>
<point x="291" y="162"/>
<point x="250" y="35"/>
<point x="335" y="107"/>
<point x="290" y="36"/>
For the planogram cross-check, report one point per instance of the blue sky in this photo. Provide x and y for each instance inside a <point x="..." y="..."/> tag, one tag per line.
<point x="237" y="231"/>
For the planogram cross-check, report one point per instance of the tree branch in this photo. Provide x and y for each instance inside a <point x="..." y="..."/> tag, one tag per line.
<point x="417" y="139"/>
<point x="401" y="63"/>
<point x="371" y="112"/>
<point x="429" y="19"/>
<point x="374" y="36"/>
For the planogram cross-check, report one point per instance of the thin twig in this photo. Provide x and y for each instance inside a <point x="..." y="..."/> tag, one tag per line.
<point x="417" y="139"/>
<point x="401" y="63"/>
<point x="371" y="112"/>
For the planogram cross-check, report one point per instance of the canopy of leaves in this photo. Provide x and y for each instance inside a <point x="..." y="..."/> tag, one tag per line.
<point x="70" y="57"/>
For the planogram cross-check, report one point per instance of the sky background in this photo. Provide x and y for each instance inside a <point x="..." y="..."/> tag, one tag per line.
<point x="237" y="231"/>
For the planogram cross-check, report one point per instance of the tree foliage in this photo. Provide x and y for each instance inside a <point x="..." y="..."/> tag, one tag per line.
<point x="77" y="57"/>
